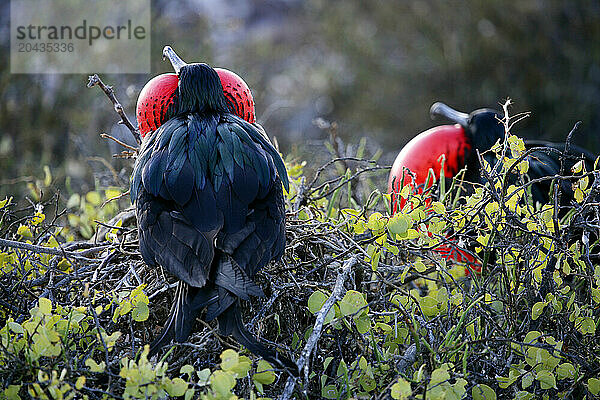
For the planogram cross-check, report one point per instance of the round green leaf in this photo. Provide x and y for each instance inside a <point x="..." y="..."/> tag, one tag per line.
<point x="140" y="312"/>
<point x="352" y="302"/>
<point x="242" y="367"/>
<point x="222" y="382"/>
<point x="177" y="387"/>
<point x="565" y="371"/>
<point x="483" y="392"/>
<point x="363" y="323"/>
<point x="398" y="224"/>
<point x="45" y="306"/>
<point x="264" y="373"/>
<point x="586" y="325"/>
<point x="401" y="390"/>
<point x="594" y="386"/>
<point x="429" y="305"/>
<point x="420" y="267"/>
<point x="329" y="392"/>
<point x="229" y="359"/>
<point x="316" y="301"/>
<point x="546" y="379"/>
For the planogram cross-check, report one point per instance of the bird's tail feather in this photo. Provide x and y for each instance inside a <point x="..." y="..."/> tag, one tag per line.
<point x="231" y="324"/>
<point x="188" y="302"/>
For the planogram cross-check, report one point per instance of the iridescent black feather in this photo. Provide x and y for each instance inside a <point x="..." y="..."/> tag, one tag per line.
<point x="208" y="192"/>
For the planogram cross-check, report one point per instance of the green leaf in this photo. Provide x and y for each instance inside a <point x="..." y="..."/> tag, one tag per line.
<point x="316" y="301"/>
<point x="363" y="323"/>
<point x="565" y="371"/>
<point x="140" y="312"/>
<point x="585" y="325"/>
<point x="222" y="382"/>
<point x="594" y="386"/>
<point x="95" y="367"/>
<point x="204" y="377"/>
<point x="352" y="302"/>
<point x="93" y="198"/>
<point x="45" y="306"/>
<point x="342" y="369"/>
<point x="243" y="366"/>
<point x="177" y="387"/>
<point x="229" y="359"/>
<point x="3" y="204"/>
<point x="537" y="309"/>
<point x="420" y="267"/>
<point x="401" y="390"/>
<point x="329" y="392"/>
<point x="80" y="383"/>
<point x="47" y="176"/>
<point x="429" y="305"/>
<point x="523" y="395"/>
<point x="187" y="369"/>
<point x="457" y="390"/>
<point x="12" y="392"/>
<point x="264" y="373"/>
<point x="24" y="231"/>
<point x="15" y="327"/>
<point x="527" y="380"/>
<point x="439" y="375"/>
<point x="398" y="224"/>
<point x="483" y="392"/>
<point x="546" y="379"/>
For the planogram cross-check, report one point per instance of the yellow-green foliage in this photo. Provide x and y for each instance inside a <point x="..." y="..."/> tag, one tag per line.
<point x="84" y="211"/>
<point x="410" y="324"/>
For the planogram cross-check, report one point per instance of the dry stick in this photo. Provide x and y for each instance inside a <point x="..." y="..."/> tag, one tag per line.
<point x="40" y="249"/>
<point x="311" y="343"/>
<point x="114" y="139"/>
<point x="94" y="80"/>
<point x="300" y="196"/>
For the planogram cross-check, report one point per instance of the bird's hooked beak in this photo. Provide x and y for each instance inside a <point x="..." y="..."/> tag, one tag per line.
<point x="441" y="109"/>
<point x="176" y="61"/>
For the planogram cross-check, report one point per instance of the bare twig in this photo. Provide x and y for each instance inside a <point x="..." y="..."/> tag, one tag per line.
<point x="45" y="250"/>
<point x="94" y="80"/>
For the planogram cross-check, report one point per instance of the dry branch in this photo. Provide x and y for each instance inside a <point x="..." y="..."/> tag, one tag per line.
<point x="94" y="80"/>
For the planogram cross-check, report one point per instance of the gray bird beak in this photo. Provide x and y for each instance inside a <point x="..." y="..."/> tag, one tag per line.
<point x="176" y="61"/>
<point x="441" y="109"/>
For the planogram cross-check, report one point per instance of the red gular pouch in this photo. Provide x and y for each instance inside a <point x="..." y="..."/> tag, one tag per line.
<point x="422" y="156"/>
<point x="154" y="101"/>
<point x="419" y="163"/>
<point x="238" y="94"/>
<point x="159" y="94"/>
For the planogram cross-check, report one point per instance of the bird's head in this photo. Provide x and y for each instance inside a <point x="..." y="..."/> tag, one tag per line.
<point x="482" y="127"/>
<point x="192" y="88"/>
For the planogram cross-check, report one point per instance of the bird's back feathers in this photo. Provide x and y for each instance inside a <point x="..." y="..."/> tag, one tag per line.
<point x="209" y="200"/>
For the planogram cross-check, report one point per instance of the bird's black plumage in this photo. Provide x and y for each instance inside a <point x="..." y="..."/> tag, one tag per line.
<point x="208" y="192"/>
<point x="484" y="127"/>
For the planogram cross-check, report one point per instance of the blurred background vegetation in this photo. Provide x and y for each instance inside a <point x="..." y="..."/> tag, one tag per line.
<point x="374" y="67"/>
